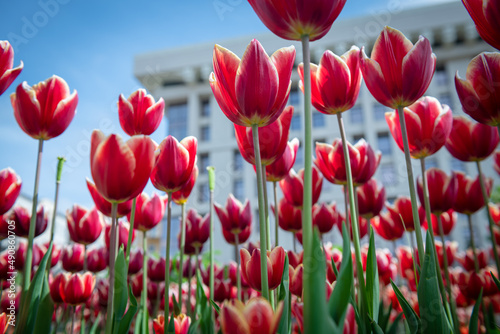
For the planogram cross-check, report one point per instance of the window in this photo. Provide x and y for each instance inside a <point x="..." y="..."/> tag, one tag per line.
<point x="294" y="98"/>
<point x="205" y="107"/>
<point x="388" y="175"/>
<point x="205" y="133"/>
<point x="296" y="122"/>
<point x="204" y="162"/>
<point x="237" y="161"/>
<point x="379" y="112"/>
<point x="299" y="160"/>
<point x="384" y="143"/>
<point x="239" y="189"/>
<point x="318" y="119"/>
<point x="203" y="192"/>
<point x="177" y="120"/>
<point x="356" y="115"/>
<point x="441" y="77"/>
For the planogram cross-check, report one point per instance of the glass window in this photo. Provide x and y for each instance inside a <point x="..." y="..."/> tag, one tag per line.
<point x="204" y="162"/>
<point x="356" y="114"/>
<point x="384" y="143"/>
<point x="205" y="133"/>
<point x="379" y="111"/>
<point x="237" y="161"/>
<point x="177" y="120"/>
<point x="318" y="119"/>
<point x="205" y="108"/>
<point x="203" y="192"/>
<point x="239" y="189"/>
<point x="296" y="122"/>
<point x="388" y="175"/>
<point x="294" y="98"/>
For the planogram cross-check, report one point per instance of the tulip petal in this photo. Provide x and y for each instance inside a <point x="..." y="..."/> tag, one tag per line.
<point x="27" y="110"/>
<point x="283" y="60"/>
<point x="375" y="81"/>
<point x="62" y="116"/>
<point x="233" y="320"/>
<point x="334" y="80"/>
<point x="126" y="115"/>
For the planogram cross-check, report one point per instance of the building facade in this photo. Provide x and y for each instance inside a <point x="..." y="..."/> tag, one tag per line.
<point x="180" y="76"/>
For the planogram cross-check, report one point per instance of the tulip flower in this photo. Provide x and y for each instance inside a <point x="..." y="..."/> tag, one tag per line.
<point x="296" y="279"/>
<point x="250" y="267"/>
<point x="495" y="212"/>
<point x="123" y="230"/>
<point x="54" y="290"/>
<point x="181" y="324"/>
<point x="97" y="259"/>
<point x="403" y="211"/>
<point x="485" y="15"/>
<point x="478" y="93"/>
<point x="243" y="236"/>
<point x="371" y="199"/>
<point x="448" y="219"/>
<point x="72" y="257"/>
<point x="335" y="82"/>
<point x="104" y="206"/>
<point x="279" y="169"/>
<point x="46" y="109"/>
<point x="237" y="317"/>
<point x="442" y="190"/>
<point x="293" y="186"/>
<point x="428" y="125"/>
<point x="293" y="19"/>
<point x="22" y="219"/>
<point x="4" y="322"/>
<point x="468" y="199"/>
<point x="325" y="216"/>
<point x="149" y="211"/>
<point x="496" y="161"/>
<point x="388" y="226"/>
<point x="290" y="217"/>
<point x="8" y="73"/>
<point x="222" y="290"/>
<point x="139" y="114"/>
<point x="469" y="283"/>
<point x="197" y="231"/>
<point x="330" y="161"/>
<point x="156" y="269"/>
<point x="181" y="196"/>
<point x="362" y="225"/>
<point x="56" y="252"/>
<point x="273" y="139"/>
<point x="255" y="89"/>
<point x="398" y="73"/>
<point x="218" y="273"/>
<point x="404" y="255"/>
<point x="133" y="159"/>
<point x="386" y="264"/>
<point x="21" y="256"/>
<point x="470" y="141"/>
<point x="10" y="187"/>
<point x="135" y="263"/>
<point x="468" y="262"/>
<point x="235" y="216"/>
<point x="76" y="288"/>
<point x="84" y="226"/>
<point x="451" y="250"/>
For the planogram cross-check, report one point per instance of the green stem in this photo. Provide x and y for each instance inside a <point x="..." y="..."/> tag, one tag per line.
<point x="112" y="258"/>
<point x="31" y="234"/>
<point x="183" y="241"/>
<point x="294" y="236"/>
<point x="54" y="212"/>
<point x="190" y="278"/>
<point x="130" y="233"/>
<point x="212" y="261"/>
<point x="346" y="202"/>
<point x="411" y="184"/>
<point x="82" y="316"/>
<point x="354" y="219"/>
<point x="490" y="219"/>
<point x="276" y="213"/>
<point x="144" y="297"/>
<point x="167" y="263"/>
<point x="266" y="209"/>
<point x="473" y="243"/>
<point x="262" y="215"/>
<point x="237" y="258"/>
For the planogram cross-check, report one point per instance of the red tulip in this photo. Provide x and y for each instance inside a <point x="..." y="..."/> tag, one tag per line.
<point x="243" y="236"/>
<point x="181" y="196"/>
<point x="72" y="257"/>
<point x="428" y="125"/>
<point x="401" y="210"/>
<point x="104" y="206"/>
<point x="398" y="73"/>
<point x="222" y="289"/>
<point x="469" y="283"/>
<point x="218" y="273"/>
<point x="54" y="285"/>
<point x="371" y="199"/>
<point x="235" y="216"/>
<point x="7" y="72"/>
<point x="84" y="226"/>
<point x="442" y="190"/>
<point x="335" y="82"/>
<point x="470" y="141"/>
<point x="405" y="260"/>
<point x="44" y="110"/>
<point x="451" y="250"/>
<point x="292" y="186"/>
<point x="231" y="268"/>
<point x="324" y="217"/>
<point x="486" y="16"/>
<point x="363" y="225"/>
<point x="387" y="268"/>
<point x="135" y="282"/>
<point x="330" y="161"/>
<point x="467" y="259"/>
<point x="495" y="212"/>
<point x="156" y="269"/>
<point x="469" y="198"/>
<point x="97" y="259"/>
<point x="294" y="19"/>
<point x="250" y="267"/>
<point x="257" y="316"/>
<point x="135" y="263"/>
<point x="197" y="231"/>
<point x="273" y="139"/>
<point x="173" y="163"/>
<point x="10" y="187"/>
<point x="76" y="288"/>
<point x="290" y="217"/>
<point x="478" y="93"/>
<point x="123" y="230"/>
<point x="332" y="255"/>
<point x="21" y="256"/>
<point x="294" y="259"/>
<point x="56" y="252"/>
<point x="255" y="89"/>
<point x="22" y="219"/>
<point x="139" y="114"/>
<point x="296" y="279"/>
<point x="4" y="322"/>
<point x="120" y="170"/>
<point x="388" y="226"/>
<point x="181" y="324"/>
<point x="448" y="220"/>
<point x="279" y="169"/>
<point x="148" y="211"/>
<point x="496" y="161"/>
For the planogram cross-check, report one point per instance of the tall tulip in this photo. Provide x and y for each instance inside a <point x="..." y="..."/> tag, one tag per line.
<point x="468" y="198"/>
<point x="181" y="324"/>
<point x="84" y="226"/>
<point x="197" y="231"/>
<point x="139" y="114"/>
<point x="371" y="199"/>
<point x="402" y="209"/>
<point x="496" y="161"/>
<point x="76" y="288"/>
<point x="442" y="190"/>
<point x="388" y="226"/>
<point x="149" y="211"/>
<point x="104" y="206"/>
<point x="24" y="220"/>
<point x="293" y="185"/>
<point x="486" y="16"/>
<point x="289" y="217"/>
<point x="73" y="258"/>
<point x="8" y="73"/>
<point x="325" y="216"/>
<point x="10" y="187"/>
<point x="97" y="259"/>
<point x="250" y="267"/>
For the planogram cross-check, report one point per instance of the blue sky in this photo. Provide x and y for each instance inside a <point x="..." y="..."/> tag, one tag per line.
<point x="91" y="44"/>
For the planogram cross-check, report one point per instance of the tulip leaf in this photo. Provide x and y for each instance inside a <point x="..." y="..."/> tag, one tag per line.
<point x="138" y="323"/>
<point x="372" y="282"/>
<point x="45" y="309"/>
<point x="339" y="299"/>
<point x="375" y="327"/>
<point x="215" y="306"/>
<point x="284" y="296"/>
<point x="473" y="324"/>
<point x="432" y="316"/>
<point x="411" y="316"/>
<point x="28" y="314"/>
<point x="193" y="328"/>
<point x="171" y="325"/>
<point x="393" y="328"/>
<point x="126" y="321"/>
<point x="497" y="282"/>
<point x="203" y="308"/>
<point x="121" y="289"/>
<point x="93" y="329"/>
<point x="177" y="307"/>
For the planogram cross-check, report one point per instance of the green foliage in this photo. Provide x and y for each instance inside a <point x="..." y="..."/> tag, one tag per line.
<point x="412" y="319"/>
<point x="372" y="282"/>
<point x="45" y="310"/>
<point x="285" y="325"/>
<point x="473" y="323"/>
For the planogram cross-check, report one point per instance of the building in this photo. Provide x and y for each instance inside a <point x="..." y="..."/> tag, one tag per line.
<point x="180" y="76"/>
